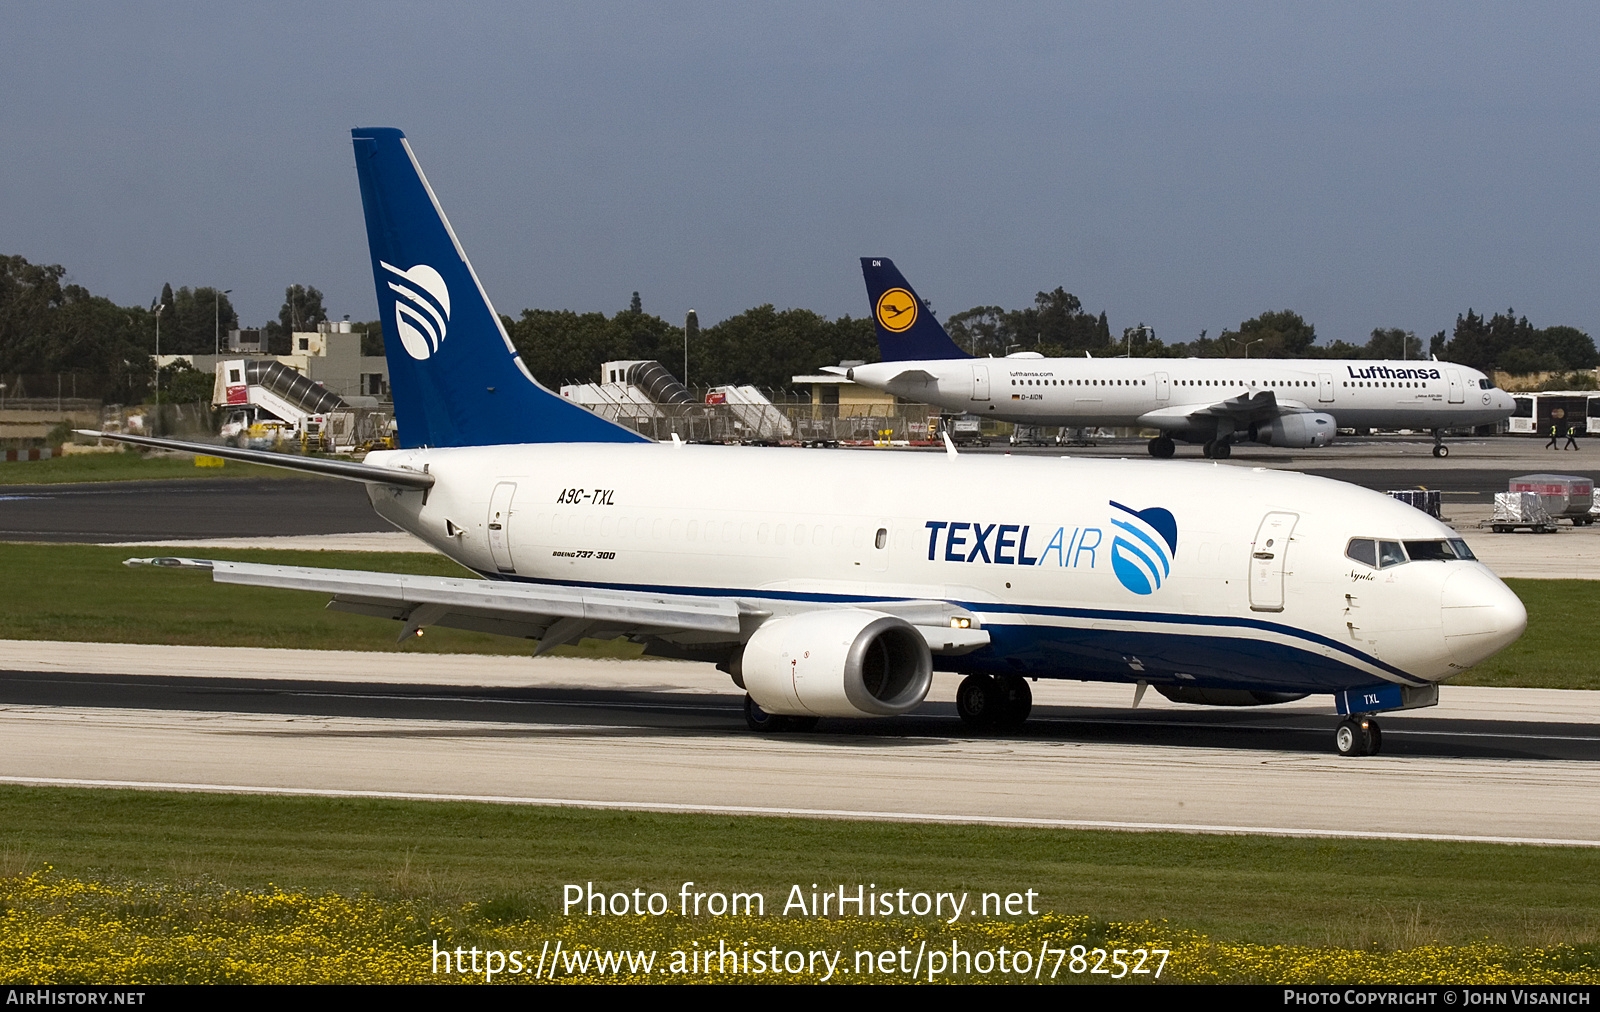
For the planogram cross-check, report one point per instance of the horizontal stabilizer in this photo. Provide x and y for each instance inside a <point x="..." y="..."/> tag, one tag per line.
<point x="349" y="469"/>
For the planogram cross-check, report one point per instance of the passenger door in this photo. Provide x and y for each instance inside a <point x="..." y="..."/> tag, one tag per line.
<point x="1269" y="559"/>
<point x="500" y="525"/>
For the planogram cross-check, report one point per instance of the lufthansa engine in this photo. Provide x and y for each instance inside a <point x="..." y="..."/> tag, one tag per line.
<point x="848" y="663"/>
<point x="1299" y="431"/>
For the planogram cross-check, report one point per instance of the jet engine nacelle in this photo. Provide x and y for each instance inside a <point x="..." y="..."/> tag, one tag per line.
<point x="1299" y="431"/>
<point x="849" y="663"/>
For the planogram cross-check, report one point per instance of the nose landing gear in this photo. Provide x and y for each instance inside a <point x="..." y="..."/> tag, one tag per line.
<point x="1358" y="736"/>
<point x="1439" y="449"/>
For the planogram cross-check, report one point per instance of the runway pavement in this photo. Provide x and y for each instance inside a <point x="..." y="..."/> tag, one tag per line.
<point x="253" y="508"/>
<point x="1488" y="764"/>
<point x="103" y="512"/>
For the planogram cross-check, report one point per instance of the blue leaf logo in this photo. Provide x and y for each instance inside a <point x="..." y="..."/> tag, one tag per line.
<point x="1142" y="552"/>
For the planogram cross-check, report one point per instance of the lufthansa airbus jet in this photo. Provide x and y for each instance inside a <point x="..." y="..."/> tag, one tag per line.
<point x="1212" y="401"/>
<point x="834" y="584"/>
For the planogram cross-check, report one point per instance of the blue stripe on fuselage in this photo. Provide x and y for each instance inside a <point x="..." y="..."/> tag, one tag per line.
<point x="1026" y="640"/>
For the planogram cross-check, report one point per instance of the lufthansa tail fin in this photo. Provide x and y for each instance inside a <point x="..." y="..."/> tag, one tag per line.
<point x="906" y="330"/>
<point x="456" y="377"/>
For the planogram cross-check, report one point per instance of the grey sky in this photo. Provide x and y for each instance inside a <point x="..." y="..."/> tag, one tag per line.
<point x="1371" y="165"/>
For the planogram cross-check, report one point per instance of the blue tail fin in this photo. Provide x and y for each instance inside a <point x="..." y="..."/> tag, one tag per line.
<point x="457" y="379"/>
<point x="906" y="329"/>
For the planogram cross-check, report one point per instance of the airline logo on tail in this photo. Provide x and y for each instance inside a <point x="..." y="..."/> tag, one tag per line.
<point x="422" y="310"/>
<point x="897" y="310"/>
<point x="1141" y="554"/>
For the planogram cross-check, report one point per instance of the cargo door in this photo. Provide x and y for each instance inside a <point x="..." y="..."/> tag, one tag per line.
<point x="1457" y="393"/>
<point x="1269" y="559"/>
<point x="500" y="525"/>
<point x="980" y="382"/>
<point x="1325" y="388"/>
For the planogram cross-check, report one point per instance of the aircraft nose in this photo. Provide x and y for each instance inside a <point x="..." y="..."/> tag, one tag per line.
<point x="1481" y="615"/>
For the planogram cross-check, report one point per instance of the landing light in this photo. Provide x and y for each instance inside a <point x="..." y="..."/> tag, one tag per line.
<point x="961" y="623"/>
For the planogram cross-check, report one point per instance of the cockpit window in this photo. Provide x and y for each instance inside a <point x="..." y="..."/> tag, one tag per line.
<point x="1364" y="551"/>
<point x="1383" y="554"/>
<point x="1390" y="554"/>
<point x="1443" y="551"/>
<point x="1430" y="551"/>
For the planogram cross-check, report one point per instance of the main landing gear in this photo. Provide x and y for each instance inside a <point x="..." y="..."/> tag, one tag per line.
<point x="994" y="702"/>
<point x="1358" y="736"/>
<point x="1217" y="449"/>
<point x="774" y="723"/>
<point x="1162" y="447"/>
<point x="1439" y="449"/>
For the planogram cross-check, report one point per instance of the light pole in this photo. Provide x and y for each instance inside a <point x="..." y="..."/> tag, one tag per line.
<point x="156" y="425"/>
<point x="216" y="314"/>
<point x="690" y="322"/>
<point x="1247" y="345"/>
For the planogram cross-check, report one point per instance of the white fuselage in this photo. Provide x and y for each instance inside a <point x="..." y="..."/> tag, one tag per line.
<point x="1156" y="392"/>
<point x="1030" y="545"/>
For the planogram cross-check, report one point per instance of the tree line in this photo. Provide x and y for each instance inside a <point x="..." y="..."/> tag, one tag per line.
<point x="49" y="325"/>
<point x="1057" y="325"/>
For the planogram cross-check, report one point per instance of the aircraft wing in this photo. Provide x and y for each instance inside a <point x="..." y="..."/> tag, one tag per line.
<point x="555" y="614"/>
<point x="1244" y="409"/>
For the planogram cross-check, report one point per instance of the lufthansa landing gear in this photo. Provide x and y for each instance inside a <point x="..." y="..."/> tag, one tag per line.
<point x="994" y="702"/>
<point x="1358" y="736"/>
<point x="1439" y="449"/>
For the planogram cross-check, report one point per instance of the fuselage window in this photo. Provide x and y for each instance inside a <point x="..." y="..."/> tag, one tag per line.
<point x="882" y="540"/>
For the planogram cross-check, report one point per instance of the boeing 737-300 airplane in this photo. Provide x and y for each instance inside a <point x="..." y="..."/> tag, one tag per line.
<point x="834" y="584"/>
<point x="1213" y="401"/>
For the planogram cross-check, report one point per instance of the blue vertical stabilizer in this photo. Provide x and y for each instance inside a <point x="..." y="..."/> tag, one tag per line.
<point x="457" y="379"/>
<point x="906" y="329"/>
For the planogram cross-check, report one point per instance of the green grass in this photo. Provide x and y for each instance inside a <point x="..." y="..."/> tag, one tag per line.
<point x="1560" y="650"/>
<point x="124" y="467"/>
<point x="84" y="593"/>
<point x="1269" y="890"/>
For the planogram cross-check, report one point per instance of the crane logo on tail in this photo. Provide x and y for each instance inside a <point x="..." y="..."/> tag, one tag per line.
<point x="421" y="310"/>
<point x="1142" y="553"/>
<point x="897" y="310"/>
